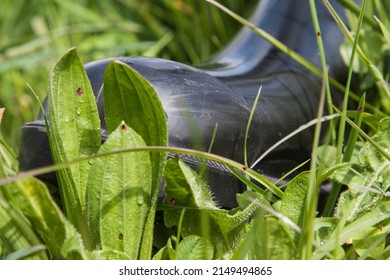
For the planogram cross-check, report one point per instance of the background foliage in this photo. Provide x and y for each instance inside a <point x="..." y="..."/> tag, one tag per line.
<point x="33" y="34"/>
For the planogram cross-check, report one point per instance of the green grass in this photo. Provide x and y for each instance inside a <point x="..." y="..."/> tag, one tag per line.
<point x="270" y="222"/>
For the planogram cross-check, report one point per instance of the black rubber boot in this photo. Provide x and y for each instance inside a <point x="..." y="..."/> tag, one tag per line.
<point x="222" y="92"/>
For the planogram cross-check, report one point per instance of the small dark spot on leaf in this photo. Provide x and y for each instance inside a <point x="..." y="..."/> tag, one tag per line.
<point x="79" y="91"/>
<point x="122" y="127"/>
<point x="318" y="34"/>
<point x="120" y="237"/>
<point x="360" y="110"/>
<point x="244" y="168"/>
<point x="172" y="202"/>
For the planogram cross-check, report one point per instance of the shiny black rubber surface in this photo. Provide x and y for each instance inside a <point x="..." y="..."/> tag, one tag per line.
<point x="221" y="92"/>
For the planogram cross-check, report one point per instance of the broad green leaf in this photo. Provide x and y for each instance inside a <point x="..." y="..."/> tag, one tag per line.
<point x="129" y="97"/>
<point x="119" y="194"/>
<point x="194" y="247"/>
<point x="293" y="203"/>
<point x="185" y="189"/>
<point x="74" y="130"/>
<point x="60" y="237"/>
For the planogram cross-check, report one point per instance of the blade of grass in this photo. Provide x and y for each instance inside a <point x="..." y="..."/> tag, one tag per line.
<point x="179" y="226"/>
<point x="364" y="135"/>
<point x="354" y="134"/>
<point x="249" y="125"/>
<point x="336" y="188"/>
<point x="354" y="8"/>
<point x="340" y="143"/>
<point x="292" y="171"/>
<point x="202" y="170"/>
<point x="312" y="191"/>
<point x="363" y="57"/>
<point x="295" y="132"/>
<point x="225" y="161"/>
<point x="25" y="253"/>
<point x="386" y="33"/>
<point x="317" y="30"/>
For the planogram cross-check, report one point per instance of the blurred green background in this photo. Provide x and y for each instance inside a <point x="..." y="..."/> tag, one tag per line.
<point x="35" y="33"/>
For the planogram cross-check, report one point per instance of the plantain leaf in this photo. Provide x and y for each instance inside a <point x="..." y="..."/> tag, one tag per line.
<point x="185" y="189"/>
<point x="74" y="131"/>
<point x="119" y="194"/>
<point x="129" y="97"/>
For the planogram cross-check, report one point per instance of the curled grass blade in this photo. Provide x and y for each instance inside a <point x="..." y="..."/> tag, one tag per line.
<point x="225" y="161"/>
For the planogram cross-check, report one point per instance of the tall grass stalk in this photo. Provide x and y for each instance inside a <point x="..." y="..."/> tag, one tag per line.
<point x="310" y="210"/>
<point x="340" y="141"/>
<point x="320" y="44"/>
<point x="255" y="103"/>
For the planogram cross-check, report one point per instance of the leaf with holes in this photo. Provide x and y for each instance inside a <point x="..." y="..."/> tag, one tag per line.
<point x="74" y="131"/>
<point x="129" y="97"/>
